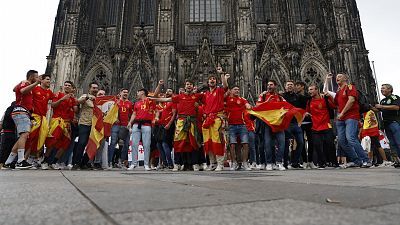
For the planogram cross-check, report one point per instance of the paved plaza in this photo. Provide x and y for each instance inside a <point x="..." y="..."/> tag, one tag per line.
<point x="337" y="196"/>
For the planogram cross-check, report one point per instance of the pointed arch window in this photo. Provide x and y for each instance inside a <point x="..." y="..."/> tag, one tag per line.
<point x="205" y="10"/>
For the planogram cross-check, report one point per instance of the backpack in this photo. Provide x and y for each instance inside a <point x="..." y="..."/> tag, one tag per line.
<point x="363" y="102"/>
<point x="330" y="110"/>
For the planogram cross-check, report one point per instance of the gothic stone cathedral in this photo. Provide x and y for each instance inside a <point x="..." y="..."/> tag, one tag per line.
<point x="134" y="43"/>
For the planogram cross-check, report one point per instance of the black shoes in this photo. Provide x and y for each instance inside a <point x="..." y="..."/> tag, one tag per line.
<point x="23" y="165"/>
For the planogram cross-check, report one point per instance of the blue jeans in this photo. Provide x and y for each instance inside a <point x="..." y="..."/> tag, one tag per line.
<point x="114" y="141"/>
<point x="145" y="134"/>
<point x="240" y="131"/>
<point x="84" y="132"/>
<point x="347" y="132"/>
<point x="67" y="156"/>
<point x="252" y="146"/>
<point x="294" y="131"/>
<point x="268" y="146"/>
<point x="165" y="146"/>
<point x="393" y="134"/>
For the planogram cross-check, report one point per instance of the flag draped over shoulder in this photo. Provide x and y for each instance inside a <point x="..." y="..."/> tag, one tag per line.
<point x="101" y="126"/>
<point x="278" y="114"/>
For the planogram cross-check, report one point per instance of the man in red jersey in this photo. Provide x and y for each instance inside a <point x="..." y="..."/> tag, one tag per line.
<point x="64" y="107"/>
<point x="125" y="110"/>
<point x="167" y="119"/>
<point x="213" y="99"/>
<point x="21" y="116"/>
<point x="318" y="107"/>
<point x="271" y="95"/>
<point x="40" y="128"/>
<point x="347" y="122"/>
<point x="235" y="108"/>
<point x="187" y="138"/>
<point x="143" y="116"/>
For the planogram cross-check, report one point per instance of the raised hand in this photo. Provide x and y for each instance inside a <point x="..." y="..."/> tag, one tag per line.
<point x="219" y="69"/>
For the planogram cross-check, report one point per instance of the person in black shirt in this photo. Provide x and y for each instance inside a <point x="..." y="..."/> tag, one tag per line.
<point x="8" y="135"/>
<point x="390" y="108"/>
<point x="294" y="131"/>
<point x="306" y="126"/>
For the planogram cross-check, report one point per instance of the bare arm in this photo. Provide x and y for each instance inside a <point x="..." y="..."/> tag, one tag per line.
<point x="224" y="79"/>
<point x="348" y="105"/>
<point x="387" y="107"/>
<point x="171" y="120"/>
<point x="58" y="102"/>
<point x="158" y="88"/>
<point x="83" y="99"/>
<point x="161" y="99"/>
<point x="132" y="119"/>
<point x="29" y="88"/>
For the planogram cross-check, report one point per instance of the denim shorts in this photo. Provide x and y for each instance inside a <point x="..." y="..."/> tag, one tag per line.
<point x="22" y="122"/>
<point x="240" y="131"/>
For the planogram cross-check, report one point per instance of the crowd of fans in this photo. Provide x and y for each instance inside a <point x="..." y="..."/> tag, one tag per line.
<point x="200" y="128"/>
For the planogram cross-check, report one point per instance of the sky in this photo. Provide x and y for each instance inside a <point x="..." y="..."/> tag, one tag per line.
<point x="27" y="28"/>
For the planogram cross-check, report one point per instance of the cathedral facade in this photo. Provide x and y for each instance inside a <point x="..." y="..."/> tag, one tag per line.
<point x="134" y="43"/>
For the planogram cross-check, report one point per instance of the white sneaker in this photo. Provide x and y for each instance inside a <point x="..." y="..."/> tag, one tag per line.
<point x="147" y="168"/>
<point x="211" y="167"/>
<point x="306" y="165"/>
<point x="61" y="165"/>
<point x="269" y="167"/>
<point x="262" y="166"/>
<point x="182" y="167"/>
<point x="45" y="166"/>
<point x="153" y="167"/>
<point x="69" y="167"/>
<point x="274" y="167"/>
<point x="130" y="168"/>
<point x="253" y="166"/>
<point x="55" y="166"/>
<point x="196" y="167"/>
<point x="203" y="166"/>
<point x="246" y="166"/>
<point x="280" y="167"/>
<point x="176" y="168"/>
<point x="312" y="166"/>
<point x="219" y="167"/>
<point x="386" y="164"/>
<point x="233" y="166"/>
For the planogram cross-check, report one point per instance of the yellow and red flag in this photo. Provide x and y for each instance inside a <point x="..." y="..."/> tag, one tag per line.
<point x="101" y="126"/>
<point x="370" y="126"/>
<point x="38" y="133"/>
<point x="278" y="114"/>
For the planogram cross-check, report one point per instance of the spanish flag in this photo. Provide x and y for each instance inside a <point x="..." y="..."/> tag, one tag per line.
<point x="370" y="126"/>
<point x="101" y="127"/>
<point x="59" y="135"/>
<point x="278" y="114"/>
<point x="38" y="134"/>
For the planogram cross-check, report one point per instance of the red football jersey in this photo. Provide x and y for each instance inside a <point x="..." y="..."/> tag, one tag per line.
<point x="145" y="109"/>
<point x="341" y="98"/>
<point x="186" y="103"/>
<point x="65" y="109"/>
<point x="24" y="100"/>
<point x="235" y="107"/>
<point x="320" y="114"/>
<point x="214" y="100"/>
<point x="41" y="99"/>
<point x="125" y="109"/>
